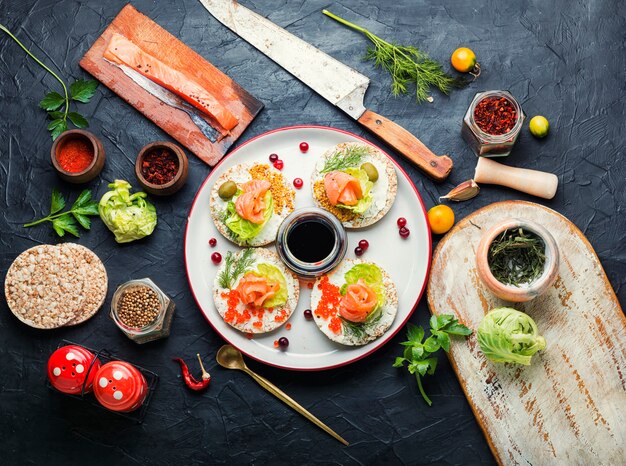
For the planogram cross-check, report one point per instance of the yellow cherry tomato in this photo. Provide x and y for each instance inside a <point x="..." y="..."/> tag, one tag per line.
<point x="463" y="60"/>
<point x="539" y="126"/>
<point x="441" y="219"/>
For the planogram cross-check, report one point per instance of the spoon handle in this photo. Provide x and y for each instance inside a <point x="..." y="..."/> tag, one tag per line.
<point x="278" y="393"/>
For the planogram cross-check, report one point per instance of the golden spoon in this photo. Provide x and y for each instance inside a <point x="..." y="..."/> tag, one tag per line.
<point x="230" y="357"/>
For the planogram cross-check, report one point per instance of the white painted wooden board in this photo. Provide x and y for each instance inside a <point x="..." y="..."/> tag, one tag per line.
<point x="569" y="406"/>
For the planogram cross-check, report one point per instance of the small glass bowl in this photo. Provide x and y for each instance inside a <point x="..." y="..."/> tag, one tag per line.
<point x="312" y="270"/>
<point x="159" y="327"/>
<point x="491" y="145"/>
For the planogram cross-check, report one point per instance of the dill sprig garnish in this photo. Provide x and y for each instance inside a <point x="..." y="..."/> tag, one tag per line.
<point x="517" y="257"/>
<point x="234" y="267"/>
<point x="349" y="157"/>
<point x="406" y="64"/>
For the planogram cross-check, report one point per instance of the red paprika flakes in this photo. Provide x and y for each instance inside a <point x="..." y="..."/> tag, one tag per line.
<point x="495" y="115"/>
<point x="75" y="155"/>
<point x="159" y="166"/>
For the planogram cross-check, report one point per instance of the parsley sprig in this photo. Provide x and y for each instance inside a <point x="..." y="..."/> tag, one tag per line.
<point x="419" y="355"/>
<point x="69" y="220"/>
<point x="234" y="267"/>
<point x="57" y="105"/>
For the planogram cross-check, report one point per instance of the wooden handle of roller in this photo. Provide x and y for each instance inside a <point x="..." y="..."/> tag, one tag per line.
<point x="435" y="166"/>
<point x="533" y="182"/>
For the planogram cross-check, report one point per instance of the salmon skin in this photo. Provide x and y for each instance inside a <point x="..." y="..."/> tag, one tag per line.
<point x="123" y="52"/>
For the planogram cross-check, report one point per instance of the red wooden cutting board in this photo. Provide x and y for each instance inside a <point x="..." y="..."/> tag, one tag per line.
<point x="155" y="40"/>
<point x="568" y="406"/>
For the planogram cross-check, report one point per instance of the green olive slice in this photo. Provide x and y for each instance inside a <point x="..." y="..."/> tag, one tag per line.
<point x="371" y="171"/>
<point x="227" y="190"/>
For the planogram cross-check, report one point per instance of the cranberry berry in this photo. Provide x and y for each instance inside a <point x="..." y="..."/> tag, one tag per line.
<point x="308" y="314"/>
<point x="363" y="244"/>
<point x="212" y="242"/>
<point x="405" y="232"/>
<point x="279" y="164"/>
<point x="358" y="251"/>
<point x="283" y="342"/>
<point x="401" y="222"/>
<point x="216" y="257"/>
<point x="304" y="146"/>
<point x="298" y="183"/>
<point x="273" y="157"/>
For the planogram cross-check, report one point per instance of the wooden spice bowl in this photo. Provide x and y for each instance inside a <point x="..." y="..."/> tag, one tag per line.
<point x="92" y="170"/>
<point x="528" y="291"/>
<point x="173" y="185"/>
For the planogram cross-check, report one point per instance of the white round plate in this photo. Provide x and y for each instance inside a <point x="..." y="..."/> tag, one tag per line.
<point x="406" y="260"/>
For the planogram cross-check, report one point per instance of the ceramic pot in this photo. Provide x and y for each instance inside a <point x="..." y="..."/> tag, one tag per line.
<point x="527" y="291"/>
<point x="94" y="168"/>
<point x="175" y="183"/>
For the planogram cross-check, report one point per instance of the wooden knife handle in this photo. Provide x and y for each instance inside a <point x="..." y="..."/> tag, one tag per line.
<point x="435" y="166"/>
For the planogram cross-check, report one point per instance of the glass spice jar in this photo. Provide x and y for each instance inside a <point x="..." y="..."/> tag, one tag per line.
<point x="133" y="306"/>
<point x="482" y="142"/>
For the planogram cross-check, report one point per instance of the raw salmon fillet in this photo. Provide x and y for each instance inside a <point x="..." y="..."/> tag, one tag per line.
<point x="255" y="290"/>
<point x="123" y="52"/>
<point x="250" y="205"/>
<point x="358" y="302"/>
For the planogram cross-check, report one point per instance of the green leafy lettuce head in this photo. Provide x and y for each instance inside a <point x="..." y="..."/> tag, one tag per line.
<point x="272" y="273"/>
<point x="128" y="216"/>
<point x="366" y="187"/>
<point x="243" y="229"/>
<point x="508" y="335"/>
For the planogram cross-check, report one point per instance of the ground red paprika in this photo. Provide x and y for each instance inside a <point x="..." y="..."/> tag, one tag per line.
<point x="159" y="166"/>
<point x="75" y="155"/>
<point x="495" y="115"/>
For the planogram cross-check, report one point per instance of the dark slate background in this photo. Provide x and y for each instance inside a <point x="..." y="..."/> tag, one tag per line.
<point x="562" y="59"/>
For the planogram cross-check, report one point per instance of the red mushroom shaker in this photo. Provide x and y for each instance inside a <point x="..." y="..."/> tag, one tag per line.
<point x="68" y="367"/>
<point x="119" y="386"/>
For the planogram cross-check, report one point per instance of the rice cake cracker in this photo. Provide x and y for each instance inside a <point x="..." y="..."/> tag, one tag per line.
<point x="366" y="333"/>
<point x="96" y="283"/>
<point x="383" y="192"/>
<point x="44" y="286"/>
<point x="269" y="319"/>
<point x="282" y="194"/>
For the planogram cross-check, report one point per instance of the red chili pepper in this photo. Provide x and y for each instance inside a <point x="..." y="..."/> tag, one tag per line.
<point x="189" y="379"/>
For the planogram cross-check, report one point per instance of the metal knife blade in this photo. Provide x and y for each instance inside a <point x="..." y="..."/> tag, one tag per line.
<point x="172" y="100"/>
<point x="336" y="82"/>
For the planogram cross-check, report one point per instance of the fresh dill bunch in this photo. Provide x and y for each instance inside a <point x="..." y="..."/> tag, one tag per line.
<point x="235" y="267"/>
<point x="350" y="157"/>
<point x="406" y="64"/>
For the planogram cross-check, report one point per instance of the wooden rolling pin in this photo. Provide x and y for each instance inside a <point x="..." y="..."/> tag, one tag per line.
<point x="533" y="182"/>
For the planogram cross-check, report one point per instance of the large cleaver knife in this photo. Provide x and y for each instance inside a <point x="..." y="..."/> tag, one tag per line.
<point x="336" y="82"/>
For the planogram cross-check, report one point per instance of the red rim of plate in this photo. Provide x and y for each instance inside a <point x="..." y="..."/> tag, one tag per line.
<point x="387" y="337"/>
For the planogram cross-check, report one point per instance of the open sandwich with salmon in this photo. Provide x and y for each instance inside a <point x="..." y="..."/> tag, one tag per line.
<point x="355" y="182"/>
<point x="254" y="292"/>
<point x="249" y="202"/>
<point x="123" y="53"/>
<point x="355" y="303"/>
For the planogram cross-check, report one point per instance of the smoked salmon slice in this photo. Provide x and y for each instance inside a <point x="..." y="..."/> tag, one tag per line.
<point x="342" y="188"/>
<point x="123" y="52"/>
<point x="254" y="290"/>
<point x="359" y="300"/>
<point x="250" y="205"/>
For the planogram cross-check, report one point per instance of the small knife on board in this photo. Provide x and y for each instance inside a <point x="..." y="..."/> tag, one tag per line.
<point x="341" y="85"/>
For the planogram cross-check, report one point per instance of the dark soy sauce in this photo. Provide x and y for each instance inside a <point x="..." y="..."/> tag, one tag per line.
<point x="311" y="241"/>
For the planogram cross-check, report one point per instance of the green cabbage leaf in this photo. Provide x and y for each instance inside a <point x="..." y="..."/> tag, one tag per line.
<point x="242" y="229"/>
<point x="508" y="335"/>
<point x="366" y="187"/>
<point x="128" y="216"/>
<point x="272" y="273"/>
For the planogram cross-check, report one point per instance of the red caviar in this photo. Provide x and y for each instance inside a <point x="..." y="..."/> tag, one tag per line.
<point x="75" y="155"/>
<point x="288" y="326"/>
<point x="328" y="306"/>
